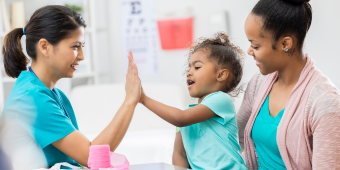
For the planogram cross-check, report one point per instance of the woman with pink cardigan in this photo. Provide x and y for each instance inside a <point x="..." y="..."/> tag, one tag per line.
<point x="290" y="114"/>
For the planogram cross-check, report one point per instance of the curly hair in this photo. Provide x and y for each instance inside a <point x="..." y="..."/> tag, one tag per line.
<point x="226" y="55"/>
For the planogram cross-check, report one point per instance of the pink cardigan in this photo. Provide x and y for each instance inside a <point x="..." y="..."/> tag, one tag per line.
<point x="308" y="135"/>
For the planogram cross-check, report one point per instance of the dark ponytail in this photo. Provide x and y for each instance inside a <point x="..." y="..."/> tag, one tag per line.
<point x="53" y="23"/>
<point x="281" y="17"/>
<point x="14" y="59"/>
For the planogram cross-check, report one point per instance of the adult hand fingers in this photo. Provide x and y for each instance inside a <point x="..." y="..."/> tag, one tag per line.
<point x="130" y="65"/>
<point x="130" y="53"/>
<point x="136" y="77"/>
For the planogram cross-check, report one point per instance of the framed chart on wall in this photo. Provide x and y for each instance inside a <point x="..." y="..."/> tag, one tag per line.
<point x="140" y="35"/>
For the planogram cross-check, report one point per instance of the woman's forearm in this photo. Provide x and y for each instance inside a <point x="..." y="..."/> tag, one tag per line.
<point x="76" y="145"/>
<point x="115" y="131"/>
<point x="170" y="114"/>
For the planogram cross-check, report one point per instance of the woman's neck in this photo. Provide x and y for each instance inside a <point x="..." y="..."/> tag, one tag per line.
<point x="44" y="74"/>
<point x="289" y="75"/>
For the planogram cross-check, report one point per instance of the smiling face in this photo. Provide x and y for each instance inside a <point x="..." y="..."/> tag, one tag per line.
<point x="261" y="48"/>
<point x="201" y="76"/>
<point x="67" y="54"/>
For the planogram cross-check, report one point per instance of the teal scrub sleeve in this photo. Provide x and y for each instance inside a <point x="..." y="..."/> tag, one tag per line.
<point x="222" y="105"/>
<point x="68" y="107"/>
<point x="51" y="123"/>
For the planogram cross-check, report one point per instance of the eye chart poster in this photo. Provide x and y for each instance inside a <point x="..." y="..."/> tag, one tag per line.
<point x="140" y="35"/>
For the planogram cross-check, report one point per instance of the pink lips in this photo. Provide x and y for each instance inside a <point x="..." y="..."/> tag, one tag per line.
<point x="258" y="63"/>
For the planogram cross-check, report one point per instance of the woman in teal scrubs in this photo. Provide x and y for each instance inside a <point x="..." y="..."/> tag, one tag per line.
<point x="38" y="125"/>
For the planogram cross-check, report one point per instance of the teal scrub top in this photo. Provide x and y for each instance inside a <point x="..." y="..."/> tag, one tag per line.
<point x="39" y="111"/>
<point x="264" y="137"/>
<point x="213" y="144"/>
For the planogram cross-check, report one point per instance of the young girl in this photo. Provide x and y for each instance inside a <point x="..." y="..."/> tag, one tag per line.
<point x="208" y="137"/>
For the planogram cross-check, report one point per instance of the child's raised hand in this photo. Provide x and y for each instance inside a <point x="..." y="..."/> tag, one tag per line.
<point x="132" y="85"/>
<point x="142" y="95"/>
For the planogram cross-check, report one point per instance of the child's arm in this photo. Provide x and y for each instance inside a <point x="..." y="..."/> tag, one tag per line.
<point x="177" y="117"/>
<point x="179" y="156"/>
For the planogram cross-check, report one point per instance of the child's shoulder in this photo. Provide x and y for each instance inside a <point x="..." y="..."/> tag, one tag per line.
<point x="222" y="105"/>
<point x="218" y="100"/>
<point x="218" y="96"/>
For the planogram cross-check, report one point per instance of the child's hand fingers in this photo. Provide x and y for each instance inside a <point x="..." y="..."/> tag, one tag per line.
<point x="142" y="94"/>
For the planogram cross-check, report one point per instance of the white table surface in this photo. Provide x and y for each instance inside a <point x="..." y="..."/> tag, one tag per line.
<point x="155" y="166"/>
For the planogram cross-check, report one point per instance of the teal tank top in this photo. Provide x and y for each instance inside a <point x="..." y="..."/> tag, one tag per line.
<point x="264" y="137"/>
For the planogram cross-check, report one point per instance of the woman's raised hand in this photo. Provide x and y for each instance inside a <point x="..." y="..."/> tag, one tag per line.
<point x="133" y="87"/>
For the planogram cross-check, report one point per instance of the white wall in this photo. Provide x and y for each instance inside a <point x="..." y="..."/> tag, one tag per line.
<point x="323" y="39"/>
<point x="322" y="43"/>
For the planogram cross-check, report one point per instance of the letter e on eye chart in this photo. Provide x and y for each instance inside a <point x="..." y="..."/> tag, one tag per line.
<point x="140" y="35"/>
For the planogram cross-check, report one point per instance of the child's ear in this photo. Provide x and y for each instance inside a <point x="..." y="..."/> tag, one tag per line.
<point x="222" y="74"/>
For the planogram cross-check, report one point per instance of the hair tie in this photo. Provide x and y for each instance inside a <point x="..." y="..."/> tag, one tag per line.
<point x="23" y="30"/>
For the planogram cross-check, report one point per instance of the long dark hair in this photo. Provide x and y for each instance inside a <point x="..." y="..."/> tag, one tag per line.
<point x="53" y="23"/>
<point x="226" y="55"/>
<point x="282" y="17"/>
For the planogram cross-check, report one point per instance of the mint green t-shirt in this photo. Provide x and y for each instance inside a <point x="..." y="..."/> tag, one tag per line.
<point x="264" y="136"/>
<point x="213" y="144"/>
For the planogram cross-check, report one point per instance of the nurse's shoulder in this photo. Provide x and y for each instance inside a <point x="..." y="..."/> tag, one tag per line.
<point x="29" y="90"/>
<point x="28" y="82"/>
